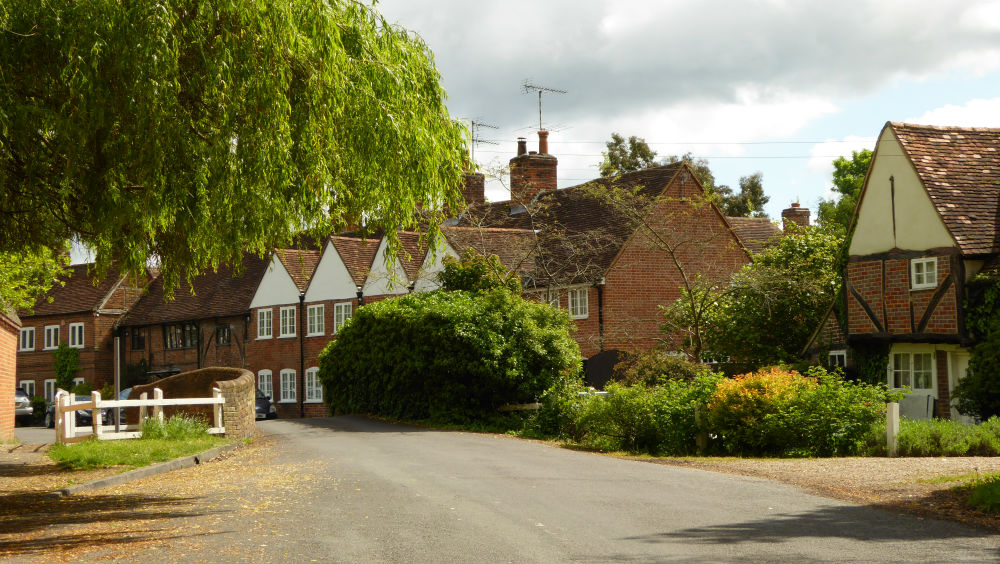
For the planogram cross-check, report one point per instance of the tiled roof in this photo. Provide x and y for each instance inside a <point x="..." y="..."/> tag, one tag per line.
<point x="78" y="294"/>
<point x="579" y="235"/>
<point x="412" y="245"/>
<point x="960" y="168"/>
<point x="514" y="247"/>
<point x="358" y="253"/>
<point x="754" y="232"/>
<point x="217" y="294"/>
<point x="299" y="264"/>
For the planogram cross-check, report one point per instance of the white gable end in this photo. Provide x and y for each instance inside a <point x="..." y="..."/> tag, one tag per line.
<point x="895" y="192"/>
<point x="381" y="281"/>
<point x="332" y="280"/>
<point x="276" y="287"/>
<point x="427" y="279"/>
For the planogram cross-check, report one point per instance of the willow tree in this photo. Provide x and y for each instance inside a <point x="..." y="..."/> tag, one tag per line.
<point x="190" y="132"/>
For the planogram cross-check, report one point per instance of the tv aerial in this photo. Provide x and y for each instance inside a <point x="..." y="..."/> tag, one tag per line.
<point x="476" y="126"/>
<point x="527" y="87"/>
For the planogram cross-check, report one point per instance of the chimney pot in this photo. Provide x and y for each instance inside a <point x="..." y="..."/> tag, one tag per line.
<point x="795" y="214"/>
<point x="543" y="142"/>
<point x="522" y="146"/>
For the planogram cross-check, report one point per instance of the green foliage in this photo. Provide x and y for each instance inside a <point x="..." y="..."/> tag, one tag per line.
<point x="38" y="404"/>
<point x="84" y="389"/>
<point x="983" y="494"/>
<point x="626" y="156"/>
<point x="871" y="362"/>
<point x="938" y="437"/>
<point x="67" y="362"/>
<point x="978" y="393"/>
<point x="848" y="180"/>
<point x="177" y="428"/>
<point x="778" y="412"/>
<point x="750" y="200"/>
<point x="656" y="368"/>
<point x="28" y="273"/>
<point x="192" y="132"/>
<point x="775" y="303"/>
<point x="476" y="273"/>
<point x="447" y="356"/>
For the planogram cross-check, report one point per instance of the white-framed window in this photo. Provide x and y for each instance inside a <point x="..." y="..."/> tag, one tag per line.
<point x="837" y="358"/>
<point x="76" y="335"/>
<point x="287" y="322"/>
<point x="314" y="389"/>
<point x="314" y="320"/>
<point x="26" y="339"/>
<point x="265" y="323"/>
<point x="78" y="381"/>
<point x="923" y="273"/>
<point x="579" y="307"/>
<point x="51" y="337"/>
<point x="341" y="313"/>
<point x="265" y="383"/>
<point x="287" y="386"/>
<point x="552" y="298"/>
<point x="50" y="389"/>
<point x="913" y="370"/>
<point x="28" y="386"/>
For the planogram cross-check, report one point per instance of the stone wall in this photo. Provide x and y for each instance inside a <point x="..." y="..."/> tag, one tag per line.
<point x="237" y="385"/>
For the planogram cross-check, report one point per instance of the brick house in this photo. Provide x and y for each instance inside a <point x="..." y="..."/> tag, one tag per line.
<point x="926" y="224"/>
<point x="81" y="315"/>
<point x="611" y="251"/>
<point x="10" y="327"/>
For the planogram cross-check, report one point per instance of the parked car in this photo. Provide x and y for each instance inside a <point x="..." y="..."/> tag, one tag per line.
<point x="83" y="416"/>
<point x="22" y="407"/>
<point x="265" y="407"/>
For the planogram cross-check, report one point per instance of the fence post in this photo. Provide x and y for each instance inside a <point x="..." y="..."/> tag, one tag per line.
<point x="892" y="428"/>
<point x="69" y="417"/>
<point x="217" y="394"/>
<point x="158" y="409"/>
<point x="95" y="413"/>
<point x="59" y="416"/>
<point x="142" y="409"/>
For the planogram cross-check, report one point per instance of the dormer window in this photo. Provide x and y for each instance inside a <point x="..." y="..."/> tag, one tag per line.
<point x="923" y="273"/>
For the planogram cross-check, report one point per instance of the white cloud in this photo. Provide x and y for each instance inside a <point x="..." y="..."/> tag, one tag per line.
<point x="974" y="113"/>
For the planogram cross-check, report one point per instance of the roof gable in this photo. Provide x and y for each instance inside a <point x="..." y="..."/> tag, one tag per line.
<point x="332" y="279"/>
<point x="77" y="292"/>
<point x="960" y="170"/>
<point x="276" y="287"/>
<point x="381" y="281"/>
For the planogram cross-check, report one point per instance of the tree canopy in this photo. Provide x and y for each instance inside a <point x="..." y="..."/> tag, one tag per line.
<point x="626" y="156"/>
<point x="189" y="133"/>
<point x="848" y="179"/>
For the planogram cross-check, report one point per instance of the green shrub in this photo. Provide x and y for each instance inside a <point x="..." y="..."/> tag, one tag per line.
<point x="651" y="369"/>
<point x="177" y="428"/>
<point x="83" y="389"/>
<point x="983" y="494"/>
<point x="781" y="412"/>
<point x="559" y="412"/>
<point x="67" y="362"/>
<point x="39" y="406"/>
<point x="937" y="437"/>
<point x="447" y="356"/>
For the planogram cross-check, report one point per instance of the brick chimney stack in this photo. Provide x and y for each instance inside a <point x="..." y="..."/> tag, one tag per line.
<point x="795" y="214"/>
<point x="532" y="173"/>
<point x="474" y="188"/>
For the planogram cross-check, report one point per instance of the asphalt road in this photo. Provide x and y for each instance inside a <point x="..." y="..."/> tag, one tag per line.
<point x="393" y="493"/>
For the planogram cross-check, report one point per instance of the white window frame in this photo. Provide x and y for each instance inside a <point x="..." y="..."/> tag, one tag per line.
<point x="265" y="383"/>
<point x="265" y="323"/>
<point x="49" y="389"/>
<point x="923" y="273"/>
<point x="288" y="320"/>
<point x="832" y="357"/>
<point x="315" y="320"/>
<point x="552" y="298"/>
<point x="77" y="381"/>
<point x="51" y="337"/>
<point x="579" y="303"/>
<point x="28" y="386"/>
<point x="313" y="387"/>
<point x="26" y="334"/>
<point x="903" y="371"/>
<point x="341" y="313"/>
<point x="288" y="387"/>
<point x="76" y="338"/>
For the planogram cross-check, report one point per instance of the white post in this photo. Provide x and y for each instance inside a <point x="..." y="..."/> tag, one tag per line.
<point x="217" y="394"/>
<point x="158" y="409"/>
<point x="142" y="409"/>
<point x="59" y="417"/>
<point x="892" y="428"/>
<point x="95" y="414"/>
<point x="69" y="417"/>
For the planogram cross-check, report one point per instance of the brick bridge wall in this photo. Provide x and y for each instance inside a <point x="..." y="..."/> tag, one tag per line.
<point x="238" y="388"/>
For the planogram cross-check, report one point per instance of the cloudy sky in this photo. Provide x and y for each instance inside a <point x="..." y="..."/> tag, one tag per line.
<point x="777" y="86"/>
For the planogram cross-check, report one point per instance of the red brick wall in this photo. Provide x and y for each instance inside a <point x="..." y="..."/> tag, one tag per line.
<point x="531" y="174"/>
<point x="8" y="375"/>
<point x="644" y="277"/>
<point x="186" y="359"/>
<point x="96" y="357"/>
<point x="900" y="309"/>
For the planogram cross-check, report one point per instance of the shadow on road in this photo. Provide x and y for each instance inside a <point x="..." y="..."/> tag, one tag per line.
<point x="347" y="424"/>
<point x="827" y="522"/>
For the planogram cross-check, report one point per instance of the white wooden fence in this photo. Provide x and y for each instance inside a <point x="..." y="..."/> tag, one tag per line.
<point x="66" y="408"/>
